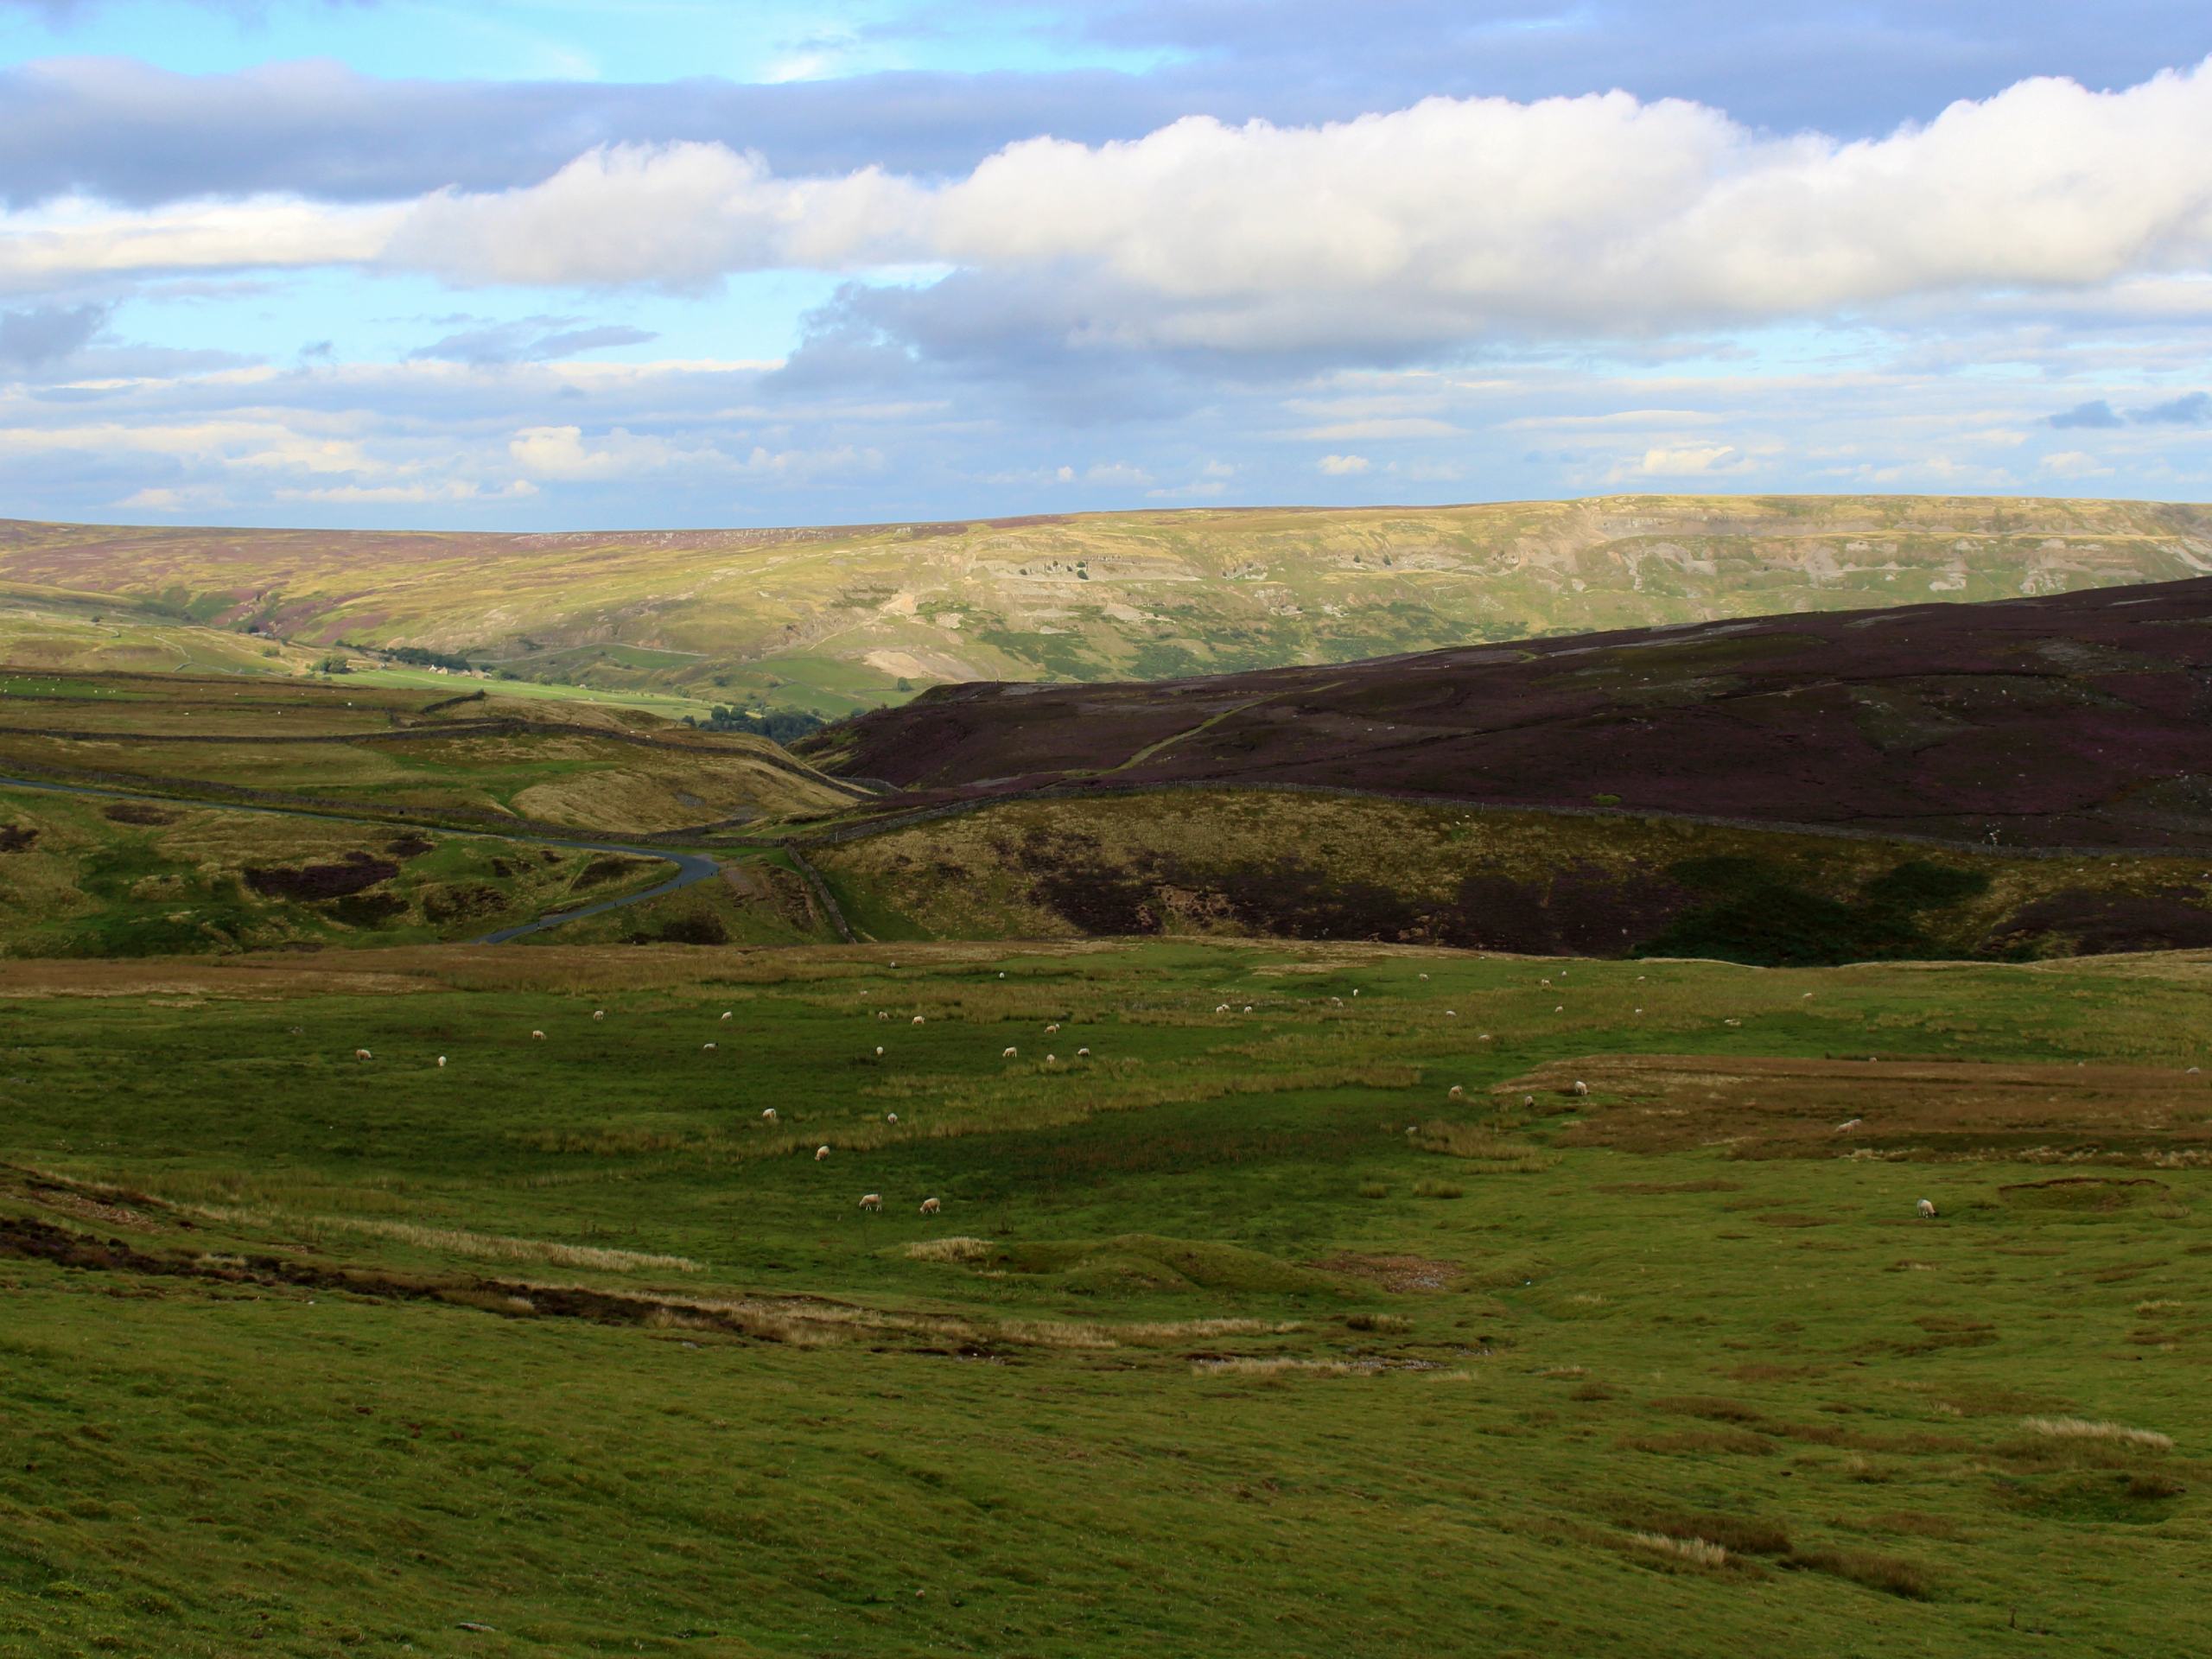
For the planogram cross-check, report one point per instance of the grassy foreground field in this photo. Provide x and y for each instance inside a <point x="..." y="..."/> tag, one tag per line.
<point x="1243" y="1333"/>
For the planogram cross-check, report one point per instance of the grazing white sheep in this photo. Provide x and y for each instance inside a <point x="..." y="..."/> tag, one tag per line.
<point x="1052" y="1059"/>
<point x="1457" y="1093"/>
<point x="726" y="1014"/>
<point x="363" y="1054"/>
<point x="820" y="1152"/>
<point x="891" y="1117"/>
<point x="871" y="1201"/>
<point x="1731" y="1022"/>
<point x="1248" y="1007"/>
<point x="1847" y="1127"/>
<point x="1639" y="1010"/>
<point x="1483" y="1038"/>
<point x="1355" y="991"/>
<point x="930" y="1206"/>
<point x="768" y="1114"/>
<point x="1083" y="1053"/>
<point x="1580" y="1089"/>
<point x="1528" y="1102"/>
<point x="1925" y="1208"/>
<point x="1009" y="1054"/>
<point x="1450" y="1014"/>
<point x="917" y="1019"/>
<point x="1561" y="1008"/>
<point x="442" y="1062"/>
<point x="879" y="1051"/>
<point x="598" y="1014"/>
<point x="1424" y="976"/>
<point x="1049" y="1030"/>
<point x="1221" y="1008"/>
<point x="537" y="1036"/>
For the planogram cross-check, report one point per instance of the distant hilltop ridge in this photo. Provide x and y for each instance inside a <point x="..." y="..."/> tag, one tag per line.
<point x="837" y="618"/>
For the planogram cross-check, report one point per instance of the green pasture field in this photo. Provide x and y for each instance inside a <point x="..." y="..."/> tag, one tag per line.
<point x="563" y="1349"/>
<point x="375" y="747"/>
<point x="656" y="702"/>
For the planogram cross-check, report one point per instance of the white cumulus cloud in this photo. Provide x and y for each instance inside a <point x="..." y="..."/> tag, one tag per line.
<point x="1450" y="221"/>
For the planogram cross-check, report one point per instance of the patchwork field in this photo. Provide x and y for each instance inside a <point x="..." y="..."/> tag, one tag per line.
<point x="437" y="752"/>
<point x="1259" y="1313"/>
<point x="837" y="619"/>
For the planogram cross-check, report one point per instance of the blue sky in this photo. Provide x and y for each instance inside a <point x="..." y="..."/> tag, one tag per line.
<point x="540" y="266"/>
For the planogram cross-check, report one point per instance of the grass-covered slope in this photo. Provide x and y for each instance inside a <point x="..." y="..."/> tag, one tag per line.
<point x="2078" y="720"/>
<point x="47" y="630"/>
<point x="81" y="876"/>
<point x="1259" y="863"/>
<point x="1276" y="1324"/>
<point x="429" y="752"/>
<point x="835" y="619"/>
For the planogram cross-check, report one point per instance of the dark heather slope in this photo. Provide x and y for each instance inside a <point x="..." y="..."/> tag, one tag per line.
<point x="2077" y="720"/>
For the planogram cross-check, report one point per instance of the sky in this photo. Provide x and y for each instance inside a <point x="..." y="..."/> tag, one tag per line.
<point x="551" y="264"/>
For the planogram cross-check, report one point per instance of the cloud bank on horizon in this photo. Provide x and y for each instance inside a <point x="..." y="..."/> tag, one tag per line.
<point x="1090" y="257"/>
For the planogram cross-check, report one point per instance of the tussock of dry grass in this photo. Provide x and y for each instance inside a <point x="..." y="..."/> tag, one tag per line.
<point x="1279" y="1366"/>
<point x="454" y="1240"/>
<point x="1698" y="1552"/>
<point x="958" y="1248"/>
<point x="489" y="1301"/>
<point x="1162" y="1330"/>
<point x="1490" y="1153"/>
<point x="1386" y="1324"/>
<point x="2083" y="1428"/>
<point x="1736" y="1535"/>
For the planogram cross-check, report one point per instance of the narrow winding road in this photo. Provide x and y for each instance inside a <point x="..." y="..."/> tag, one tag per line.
<point x="690" y="867"/>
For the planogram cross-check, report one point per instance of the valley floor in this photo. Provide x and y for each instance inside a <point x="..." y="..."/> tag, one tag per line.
<point x="1311" y="1310"/>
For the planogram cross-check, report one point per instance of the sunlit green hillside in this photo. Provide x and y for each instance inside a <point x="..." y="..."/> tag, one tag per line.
<point x="837" y="618"/>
